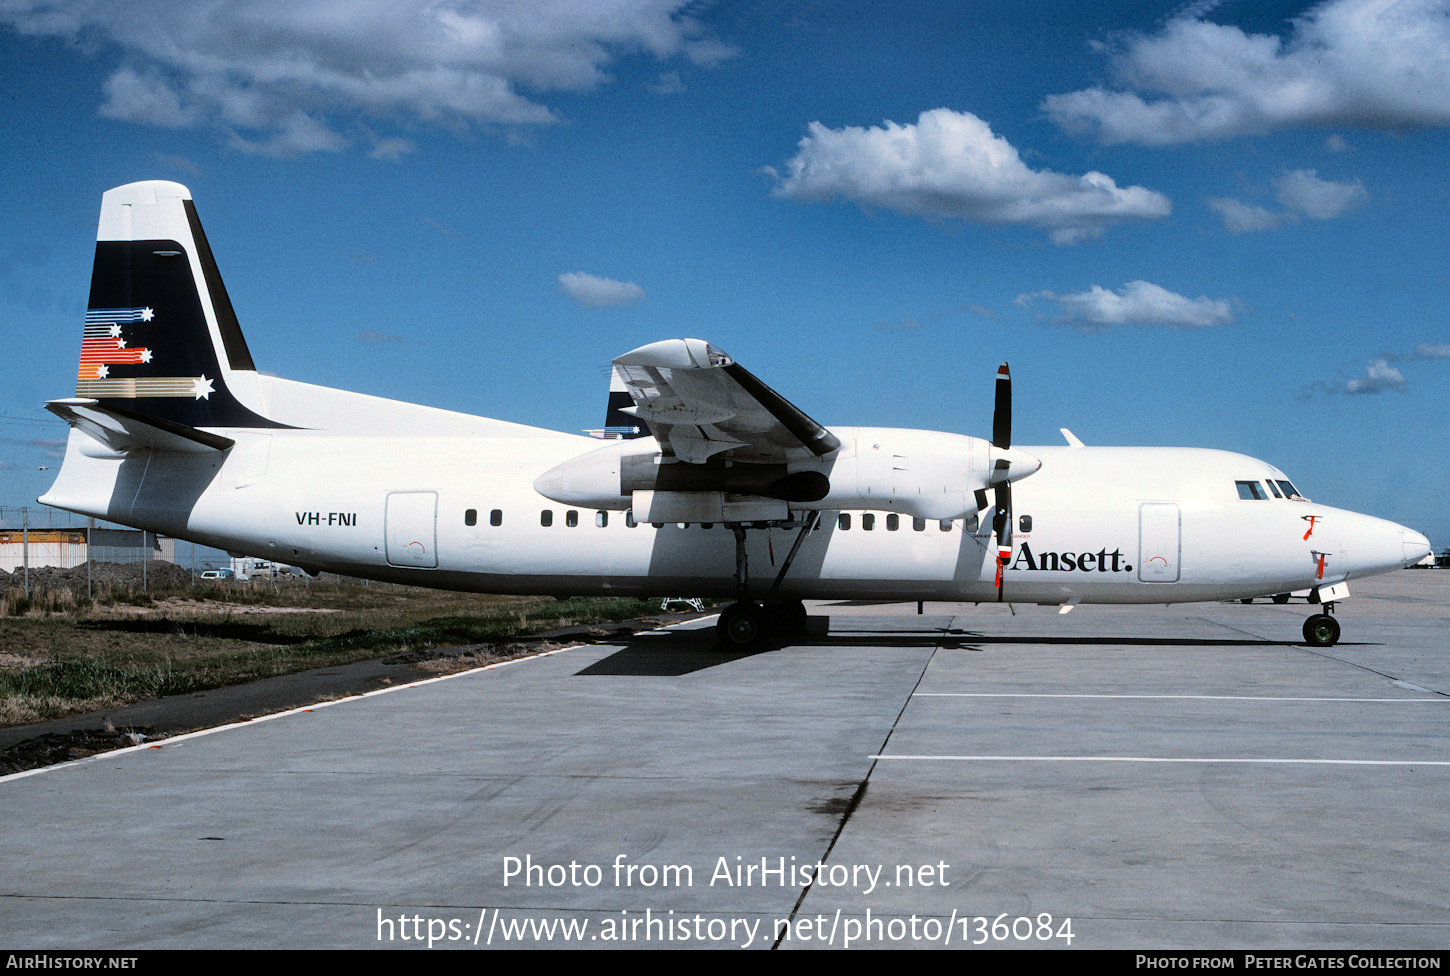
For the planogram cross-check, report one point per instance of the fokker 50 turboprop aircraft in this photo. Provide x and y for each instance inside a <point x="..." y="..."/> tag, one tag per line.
<point x="174" y="430"/>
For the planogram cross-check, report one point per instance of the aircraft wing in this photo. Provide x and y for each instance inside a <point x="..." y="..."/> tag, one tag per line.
<point x="699" y="403"/>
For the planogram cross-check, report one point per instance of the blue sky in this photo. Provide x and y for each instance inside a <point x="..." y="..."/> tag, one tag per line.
<point x="1209" y="224"/>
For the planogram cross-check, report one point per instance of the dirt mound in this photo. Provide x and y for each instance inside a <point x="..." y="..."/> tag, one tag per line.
<point x="125" y="576"/>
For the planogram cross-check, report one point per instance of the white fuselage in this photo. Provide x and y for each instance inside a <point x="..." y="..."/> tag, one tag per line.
<point x="410" y="494"/>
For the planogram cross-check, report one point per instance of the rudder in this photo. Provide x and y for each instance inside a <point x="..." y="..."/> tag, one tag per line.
<point x="161" y="339"/>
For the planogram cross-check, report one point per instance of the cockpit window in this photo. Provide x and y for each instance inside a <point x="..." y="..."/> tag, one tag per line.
<point x="1251" y="490"/>
<point x="1273" y="489"/>
<point x="1290" y="491"/>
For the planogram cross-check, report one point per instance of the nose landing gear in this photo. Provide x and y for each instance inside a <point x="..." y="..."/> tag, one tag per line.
<point x="1321" y="630"/>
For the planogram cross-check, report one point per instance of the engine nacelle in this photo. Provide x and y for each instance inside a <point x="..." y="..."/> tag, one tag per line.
<point x="920" y="473"/>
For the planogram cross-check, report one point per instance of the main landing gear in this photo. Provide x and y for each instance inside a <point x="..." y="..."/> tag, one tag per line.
<point x="750" y="625"/>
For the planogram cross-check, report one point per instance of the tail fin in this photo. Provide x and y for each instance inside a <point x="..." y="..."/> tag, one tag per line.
<point x="619" y="425"/>
<point x="161" y="339"/>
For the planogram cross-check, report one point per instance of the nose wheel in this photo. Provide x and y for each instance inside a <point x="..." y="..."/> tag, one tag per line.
<point x="1321" y="630"/>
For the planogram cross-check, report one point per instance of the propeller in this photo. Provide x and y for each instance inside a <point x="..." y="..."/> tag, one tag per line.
<point x="1001" y="465"/>
<point x="1006" y="466"/>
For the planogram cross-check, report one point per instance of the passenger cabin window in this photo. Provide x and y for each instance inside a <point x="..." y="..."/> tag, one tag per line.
<point x="470" y="517"/>
<point x="495" y="517"/>
<point x="601" y="519"/>
<point x="844" y="521"/>
<point x="893" y="522"/>
<point x="868" y="522"/>
<point x="946" y="525"/>
<point x="629" y="518"/>
<point x="1024" y="523"/>
<point x="918" y="525"/>
<point x="571" y="518"/>
<point x="1251" y="491"/>
<point x="546" y="517"/>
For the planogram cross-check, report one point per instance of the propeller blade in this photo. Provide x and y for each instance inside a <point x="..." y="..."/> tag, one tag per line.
<point x="1002" y="440"/>
<point x="1002" y="412"/>
<point x="1002" y="524"/>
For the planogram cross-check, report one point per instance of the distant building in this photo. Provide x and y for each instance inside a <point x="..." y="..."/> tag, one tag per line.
<point x="65" y="548"/>
<point x="48" y="547"/>
<point x="130" y="546"/>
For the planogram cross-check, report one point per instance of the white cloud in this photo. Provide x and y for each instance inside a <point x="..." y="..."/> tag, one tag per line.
<point x="261" y="66"/>
<point x="599" y="292"/>
<point x="147" y="99"/>
<point x="1138" y="303"/>
<point x="1379" y="376"/>
<point x="950" y="164"/>
<point x="390" y="148"/>
<point x="1366" y="63"/>
<point x="296" y="135"/>
<point x="669" y="83"/>
<point x="1241" y="218"/>
<point x="1302" y="190"/>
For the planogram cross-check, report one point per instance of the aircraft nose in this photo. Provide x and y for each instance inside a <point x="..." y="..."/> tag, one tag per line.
<point x="1417" y="547"/>
<point x="1366" y="545"/>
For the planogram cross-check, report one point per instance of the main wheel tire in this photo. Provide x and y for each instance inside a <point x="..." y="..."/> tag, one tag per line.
<point x="741" y="627"/>
<point x="1321" y="630"/>
<point x="786" y="619"/>
<point x="1281" y="598"/>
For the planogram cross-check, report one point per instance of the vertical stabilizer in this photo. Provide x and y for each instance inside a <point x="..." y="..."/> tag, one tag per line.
<point x="617" y="423"/>
<point x="161" y="339"/>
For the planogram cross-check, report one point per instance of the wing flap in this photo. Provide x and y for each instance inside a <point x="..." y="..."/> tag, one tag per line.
<point x="700" y="403"/>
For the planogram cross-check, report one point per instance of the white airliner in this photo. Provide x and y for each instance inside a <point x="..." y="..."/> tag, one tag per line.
<point x="173" y="429"/>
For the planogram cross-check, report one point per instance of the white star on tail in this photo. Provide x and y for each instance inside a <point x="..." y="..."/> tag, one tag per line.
<point x="201" y="388"/>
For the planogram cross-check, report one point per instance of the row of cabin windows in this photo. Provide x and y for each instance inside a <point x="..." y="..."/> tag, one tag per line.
<point x="843" y="521"/>
<point x="893" y="522"/>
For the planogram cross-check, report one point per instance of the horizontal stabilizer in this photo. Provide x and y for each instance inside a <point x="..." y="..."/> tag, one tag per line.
<point x="123" y="431"/>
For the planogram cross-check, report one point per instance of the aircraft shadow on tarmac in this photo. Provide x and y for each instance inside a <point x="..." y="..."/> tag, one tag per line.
<point x="674" y="653"/>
